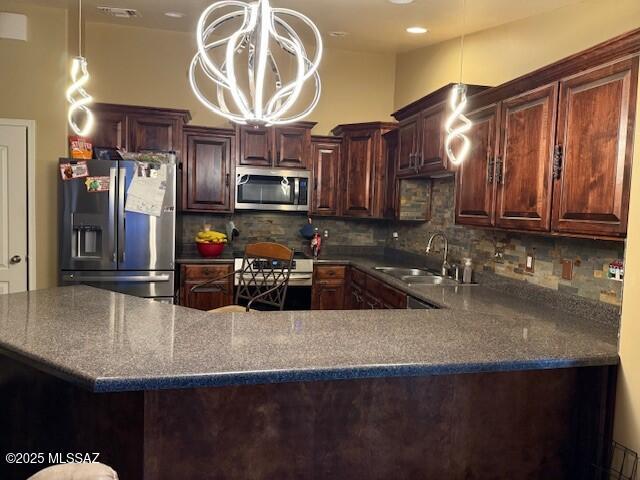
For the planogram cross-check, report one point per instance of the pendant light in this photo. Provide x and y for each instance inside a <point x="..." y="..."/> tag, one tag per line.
<point x="457" y="124"/>
<point x="259" y="27"/>
<point x="76" y="95"/>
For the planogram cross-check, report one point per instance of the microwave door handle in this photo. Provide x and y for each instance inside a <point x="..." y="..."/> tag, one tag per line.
<point x="296" y="191"/>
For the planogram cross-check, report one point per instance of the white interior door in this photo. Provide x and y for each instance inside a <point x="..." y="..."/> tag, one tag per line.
<point x="13" y="209"/>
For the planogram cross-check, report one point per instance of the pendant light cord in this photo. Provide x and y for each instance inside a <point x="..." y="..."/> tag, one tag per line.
<point x="464" y="10"/>
<point x="79" y="28"/>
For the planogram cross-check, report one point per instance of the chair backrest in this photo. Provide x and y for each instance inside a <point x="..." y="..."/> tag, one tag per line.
<point x="264" y="276"/>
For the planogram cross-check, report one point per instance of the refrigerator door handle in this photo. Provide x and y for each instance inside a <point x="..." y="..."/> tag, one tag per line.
<point x="112" y="209"/>
<point x="122" y="222"/>
<point x="117" y="278"/>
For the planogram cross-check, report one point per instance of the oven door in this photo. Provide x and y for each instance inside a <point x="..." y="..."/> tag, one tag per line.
<point x="263" y="189"/>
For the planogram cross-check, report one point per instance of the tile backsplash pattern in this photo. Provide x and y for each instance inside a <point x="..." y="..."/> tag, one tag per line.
<point x="284" y="228"/>
<point x="590" y="258"/>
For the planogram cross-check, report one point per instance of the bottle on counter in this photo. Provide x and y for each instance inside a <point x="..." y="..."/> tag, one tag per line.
<point x="467" y="273"/>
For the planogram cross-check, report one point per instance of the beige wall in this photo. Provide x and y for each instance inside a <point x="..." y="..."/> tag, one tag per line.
<point x="32" y="83"/>
<point x="494" y="56"/>
<point x="149" y="67"/>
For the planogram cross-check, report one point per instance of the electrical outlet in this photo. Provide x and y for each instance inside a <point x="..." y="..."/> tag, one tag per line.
<point x="395" y="235"/>
<point x="530" y="265"/>
<point x="567" y="269"/>
<point x="326" y="234"/>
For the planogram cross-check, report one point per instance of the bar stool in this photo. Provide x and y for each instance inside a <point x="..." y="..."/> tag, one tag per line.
<point x="76" y="471"/>
<point x="263" y="278"/>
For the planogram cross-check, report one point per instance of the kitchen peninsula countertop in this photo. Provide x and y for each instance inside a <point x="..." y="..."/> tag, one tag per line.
<point x="106" y="341"/>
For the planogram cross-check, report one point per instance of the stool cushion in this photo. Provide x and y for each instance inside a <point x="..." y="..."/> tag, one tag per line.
<point x="76" y="471"/>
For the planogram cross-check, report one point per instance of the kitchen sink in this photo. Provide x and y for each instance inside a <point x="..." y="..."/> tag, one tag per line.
<point x="400" y="273"/>
<point x="429" y="280"/>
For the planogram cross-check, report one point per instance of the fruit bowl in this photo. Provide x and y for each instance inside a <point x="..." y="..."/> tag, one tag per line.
<point x="210" y="250"/>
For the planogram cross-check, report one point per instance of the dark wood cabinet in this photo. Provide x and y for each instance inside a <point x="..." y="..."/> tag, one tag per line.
<point x="475" y="177"/>
<point x="208" y="169"/>
<point x="421" y="134"/>
<point x="364" y="292"/>
<point x="562" y="160"/>
<point x="137" y="129"/>
<point x="408" y="145"/>
<point x="111" y="129"/>
<point x="392" y="194"/>
<point x="523" y="165"/>
<point x="594" y="150"/>
<point x="219" y="294"/>
<point x="292" y="147"/>
<point x="328" y="288"/>
<point x="326" y="157"/>
<point x="255" y="146"/>
<point x="287" y="146"/>
<point x="363" y="183"/>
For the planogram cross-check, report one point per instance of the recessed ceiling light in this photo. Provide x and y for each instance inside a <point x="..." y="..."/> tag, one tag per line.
<point x="401" y="2"/>
<point x="338" y="34"/>
<point x="417" y="30"/>
<point x="174" y="14"/>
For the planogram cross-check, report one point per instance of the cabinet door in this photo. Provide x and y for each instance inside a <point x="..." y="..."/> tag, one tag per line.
<point x="215" y="296"/>
<point x="357" y="186"/>
<point x="392" y="194"/>
<point x="432" y="157"/>
<point x="328" y="295"/>
<point x="110" y="130"/>
<point x="148" y="132"/>
<point x="595" y="146"/>
<point x="208" y="173"/>
<point x="292" y="147"/>
<point x="523" y="173"/>
<point x="408" y="145"/>
<point x="475" y="177"/>
<point x="255" y="146"/>
<point x="326" y="169"/>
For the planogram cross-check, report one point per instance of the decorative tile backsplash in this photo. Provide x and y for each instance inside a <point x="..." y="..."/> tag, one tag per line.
<point x="499" y="252"/>
<point x="506" y="253"/>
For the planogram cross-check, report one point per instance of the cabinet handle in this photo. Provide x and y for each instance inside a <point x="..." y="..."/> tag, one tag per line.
<point x="490" y="165"/>
<point x="227" y="179"/>
<point x="411" y="160"/>
<point x="558" y="153"/>
<point x="499" y="170"/>
<point x="269" y="156"/>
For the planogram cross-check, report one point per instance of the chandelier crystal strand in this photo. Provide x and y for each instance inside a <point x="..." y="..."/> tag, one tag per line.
<point x="77" y="96"/>
<point x="258" y="26"/>
<point x="457" y="124"/>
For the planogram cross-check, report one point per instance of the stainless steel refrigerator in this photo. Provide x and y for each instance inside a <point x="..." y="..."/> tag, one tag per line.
<point x="104" y="245"/>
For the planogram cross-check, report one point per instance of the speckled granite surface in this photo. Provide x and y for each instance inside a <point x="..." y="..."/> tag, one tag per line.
<point x="106" y="341"/>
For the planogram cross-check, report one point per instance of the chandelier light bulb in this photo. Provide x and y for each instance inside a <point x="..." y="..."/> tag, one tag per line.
<point x="270" y="98"/>
<point x="457" y="125"/>
<point x="78" y="98"/>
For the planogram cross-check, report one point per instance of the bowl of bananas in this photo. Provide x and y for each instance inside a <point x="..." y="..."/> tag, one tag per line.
<point x="210" y="243"/>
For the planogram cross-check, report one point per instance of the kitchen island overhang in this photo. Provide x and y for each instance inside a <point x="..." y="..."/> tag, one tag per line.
<point x="167" y="392"/>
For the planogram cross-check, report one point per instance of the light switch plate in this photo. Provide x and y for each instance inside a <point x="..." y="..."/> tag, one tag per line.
<point x="530" y="264"/>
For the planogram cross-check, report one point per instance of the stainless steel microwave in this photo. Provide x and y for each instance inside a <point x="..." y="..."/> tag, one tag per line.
<point x="272" y="189"/>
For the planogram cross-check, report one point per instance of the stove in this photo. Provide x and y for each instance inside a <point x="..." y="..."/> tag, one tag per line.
<point x="301" y="274"/>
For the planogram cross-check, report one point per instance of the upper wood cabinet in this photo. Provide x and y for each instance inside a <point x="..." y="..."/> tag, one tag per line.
<point x="560" y="160"/>
<point x="475" y="179"/>
<point x="287" y="146"/>
<point x="207" y="171"/>
<point x="137" y="129"/>
<point x="594" y="150"/>
<point x="523" y="164"/>
<point x="421" y="134"/>
<point x="363" y="183"/>
<point x="326" y="155"/>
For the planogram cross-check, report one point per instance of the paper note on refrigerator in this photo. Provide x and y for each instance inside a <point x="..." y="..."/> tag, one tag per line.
<point x="147" y="189"/>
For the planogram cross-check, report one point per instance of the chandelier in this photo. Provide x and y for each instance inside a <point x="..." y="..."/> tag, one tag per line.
<point x="259" y="41"/>
<point x="77" y="96"/>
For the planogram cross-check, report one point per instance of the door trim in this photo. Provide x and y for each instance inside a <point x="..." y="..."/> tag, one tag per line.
<point x="31" y="194"/>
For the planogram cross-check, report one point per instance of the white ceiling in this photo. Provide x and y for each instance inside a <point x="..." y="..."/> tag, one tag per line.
<point x="373" y="25"/>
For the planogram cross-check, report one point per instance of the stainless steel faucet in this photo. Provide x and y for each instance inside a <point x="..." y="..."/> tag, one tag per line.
<point x="445" y="263"/>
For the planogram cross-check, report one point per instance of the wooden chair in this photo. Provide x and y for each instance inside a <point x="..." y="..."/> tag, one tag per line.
<point x="263" y="278"/>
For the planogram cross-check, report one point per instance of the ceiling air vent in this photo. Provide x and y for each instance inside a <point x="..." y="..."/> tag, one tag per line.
<point x="119" y="12"/>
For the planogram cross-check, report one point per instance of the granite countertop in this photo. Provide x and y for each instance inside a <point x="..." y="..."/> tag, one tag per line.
<point x="107" y="341"/>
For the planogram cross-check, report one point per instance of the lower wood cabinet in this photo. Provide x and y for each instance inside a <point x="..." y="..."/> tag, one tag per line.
<point x="217" y="295"/>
